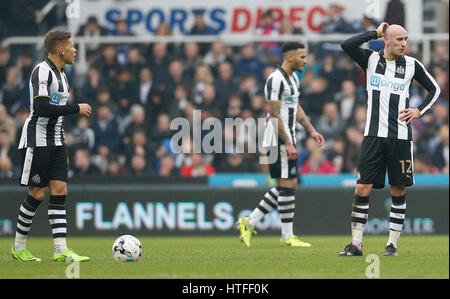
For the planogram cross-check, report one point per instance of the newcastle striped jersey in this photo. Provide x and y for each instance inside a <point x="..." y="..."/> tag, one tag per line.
<point x="45" y="81"/>
<point x="282" y="87"/>
<point x="387" y="84"/>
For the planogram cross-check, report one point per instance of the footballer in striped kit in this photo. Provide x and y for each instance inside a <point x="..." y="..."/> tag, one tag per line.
<point x="282" y="91"/>
<point x="43" y="148"/>
<point x="387" y="145"/>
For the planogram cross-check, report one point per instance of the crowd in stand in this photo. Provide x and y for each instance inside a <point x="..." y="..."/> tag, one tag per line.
<point x="136" y="91"/>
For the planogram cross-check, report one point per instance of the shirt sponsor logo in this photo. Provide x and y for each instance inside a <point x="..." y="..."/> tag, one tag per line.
<point x="378" y="82"/>
<point x="59" y="98"/>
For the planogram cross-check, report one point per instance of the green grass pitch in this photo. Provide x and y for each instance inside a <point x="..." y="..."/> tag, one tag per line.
<point x="226" y="258"/>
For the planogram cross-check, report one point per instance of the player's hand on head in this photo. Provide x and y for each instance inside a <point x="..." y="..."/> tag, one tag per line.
<point x="85" y="109"/>
<point x="382" y="29"/>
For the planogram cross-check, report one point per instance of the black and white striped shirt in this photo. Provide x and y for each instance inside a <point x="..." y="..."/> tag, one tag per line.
<point x="282" y="87"/>
<point x="388" y="84"/>
<point x="46" y="82"/>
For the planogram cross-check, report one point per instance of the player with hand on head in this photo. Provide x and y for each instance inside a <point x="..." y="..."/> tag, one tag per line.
<point x="387" y="144"/>
<point x="282" y="91"/>
<point x="43" y="147"/>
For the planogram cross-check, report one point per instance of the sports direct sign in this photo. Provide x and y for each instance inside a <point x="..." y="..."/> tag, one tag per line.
<point x="227" y="17"/>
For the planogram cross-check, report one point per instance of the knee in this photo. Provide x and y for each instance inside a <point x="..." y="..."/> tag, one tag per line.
<point x="58" y="189"/>
<point x="37" y="192"/>
<point x="398" y="191"/>
<point x="363" y="190"/>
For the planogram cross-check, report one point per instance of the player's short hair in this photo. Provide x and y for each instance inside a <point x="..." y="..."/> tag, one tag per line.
<point x="54" y="38"/>
<point x="289" y="46"/>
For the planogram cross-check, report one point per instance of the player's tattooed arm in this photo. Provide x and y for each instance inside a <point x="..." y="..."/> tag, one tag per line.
<point x="274" y="111"/>
<point x="303" y="120"/>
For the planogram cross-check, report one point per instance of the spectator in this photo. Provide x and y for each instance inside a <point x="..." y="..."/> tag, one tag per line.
<point x="135" y="63"/>
<point x="158" y="105"/>
<point x="14" y="91"/>
<point x="334" y="21"/>
<point x="124" y="92"/>
<point x="8" y="124"/>
<point x="234" y="106"/>
<point x="317" y="164"/>
<point x="208" y="106"/>
<point x="92" y="29"/>
<point x="440" y="157"/>
<point x="216" y="56"/>
<point x="441" y="77"/>
<point x="315" y="97"/>
<point x="115" y="168"/>
<point x="354" y="139"/>
<point x="7" y="148"/>
<point x="235" y="163"/>
<point x="147" y="85"/>
<point x="161" y="132"/>
<point x="5" y="64"/>
<point x="84" y="136"/>
<point x="249" y="64"/>
<point x="348" y="99"/>
<point x="139" y="166"/>
<point x="200" y="27"/>
<point x="122" y="29"/>
<point x="6" y="168"/>
<point x="167" y="167"/>
<point x="107" y="63"/>
<point x="203" y="77"/>
<point x="225" y="84"/>
<point x="247" y="89"/>
<point x="178" y="106"/>
<point x="439" y="58"/>
<point x="198" y="167"/>
<point x="176" y="76"/>
<point x="82" y="165"/>
<point x="138" y="122"/>
<point x="288" y="28"/>
<point x="423" y="165"/>
<point x="106" y="129"/>
<point x="359" y="118"/>
<point x="91" y="84"/>
<point x="159" y="61"/>
<point x="140" y="146"/>
<point x="192" y="59"/>
<point x="268" y="27"/>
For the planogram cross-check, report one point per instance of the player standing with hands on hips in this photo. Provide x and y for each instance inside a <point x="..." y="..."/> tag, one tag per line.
<point x="387" y="143"/>
<point x="282" y="91"/>
<point x="43" y="147"/>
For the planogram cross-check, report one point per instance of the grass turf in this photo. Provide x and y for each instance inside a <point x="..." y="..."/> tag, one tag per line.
<point x="225" y="257"/>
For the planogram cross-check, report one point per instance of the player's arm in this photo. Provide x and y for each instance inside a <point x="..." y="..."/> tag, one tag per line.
<point x="352" y="46"/>
<point x="427" y="81"/>
<point x="41" y="80"/>
<point x="275" y="118"/>
<point x="303" y="120"/>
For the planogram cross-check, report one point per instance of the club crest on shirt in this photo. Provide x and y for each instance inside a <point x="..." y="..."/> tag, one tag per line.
<point x="400" y="69"/>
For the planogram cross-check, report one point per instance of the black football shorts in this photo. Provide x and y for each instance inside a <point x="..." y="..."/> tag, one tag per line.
<point x="282" y="167"/>
<point x="42" y="164"/>
<point x="379" y="155"/>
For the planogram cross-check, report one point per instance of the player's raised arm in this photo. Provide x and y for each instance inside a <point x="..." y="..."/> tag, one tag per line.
<point x="352" y="46"/>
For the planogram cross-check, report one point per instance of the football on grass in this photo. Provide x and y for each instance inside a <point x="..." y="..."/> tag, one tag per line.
<point x="127" y="248"/>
